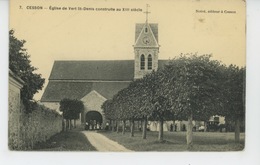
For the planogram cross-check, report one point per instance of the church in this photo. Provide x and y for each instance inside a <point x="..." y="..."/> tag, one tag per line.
<point x="94" y="82"/>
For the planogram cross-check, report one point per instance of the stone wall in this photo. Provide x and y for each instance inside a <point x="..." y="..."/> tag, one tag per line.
<point x="33" y="128"/>
<point x="14" y="112"/>
<point x="25" y="130"/>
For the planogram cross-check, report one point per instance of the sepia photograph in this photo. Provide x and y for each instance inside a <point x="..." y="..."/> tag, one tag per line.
<point x="127" y="76"/>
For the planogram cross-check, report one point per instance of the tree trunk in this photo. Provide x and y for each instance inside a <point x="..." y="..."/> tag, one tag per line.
<point x="228" y="125"/>
<point x="205" y="126"/>
<point x="237" y="131"/>
<point x="138" y="125"/>
<point x="110" y="125"/>
<point x="70" y="124"/>
<point x="113" y="127"/>
<point x="132" y="125"/>
<point x="189" y="132"/>
<point x="63" y="125"/>
<point x="173" y="125"/>
<point x="123" y="127"/>
<point x="160" y="137"/>
<point x="144" y="127"/>
<point x="67" y="124"/>
<point x="74" y="123"/>
<point x="141" y="127"/>
<point x="117" y="126"/>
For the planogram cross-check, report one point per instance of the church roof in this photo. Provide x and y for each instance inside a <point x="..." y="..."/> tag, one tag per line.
<point x="75" y="79"/>
<point x="116" y="70"/>
<point x="139" y="27"/>
<point x="57" y="90"/>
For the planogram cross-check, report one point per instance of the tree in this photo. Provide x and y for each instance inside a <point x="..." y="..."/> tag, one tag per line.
<point x="134" y="96"/>
<point x="234" y="96"/>
<point x="78" y="108"/>
<point x="71" y="109"/>
<point x="157" y="106"/>
<point x="108" y="110"/>
<point x="192" y="83"/>
<point x="20" y="64"/>
<point x="188" y="88"/>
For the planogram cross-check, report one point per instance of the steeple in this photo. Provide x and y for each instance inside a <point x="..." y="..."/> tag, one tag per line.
<point x="146" y="12"/>
<point x="146" y="47"/>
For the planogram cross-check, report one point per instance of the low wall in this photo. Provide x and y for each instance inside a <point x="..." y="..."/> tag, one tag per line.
<point x="25" y="130"/>
<point x="35" y="127"/>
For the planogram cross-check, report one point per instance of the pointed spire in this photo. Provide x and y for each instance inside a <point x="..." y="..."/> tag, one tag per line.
<point x="147" y="5"/>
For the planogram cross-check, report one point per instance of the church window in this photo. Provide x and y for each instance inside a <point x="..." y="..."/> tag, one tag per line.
<point x="150" y="62"/>
<point x="146" y="30"/>
<point x="142" y="62"/>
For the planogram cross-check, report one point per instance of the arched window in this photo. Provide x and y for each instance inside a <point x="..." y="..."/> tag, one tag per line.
<point x="150" y="62"/>
<point x="146" y="29"/>
<point x="142" y="62"/>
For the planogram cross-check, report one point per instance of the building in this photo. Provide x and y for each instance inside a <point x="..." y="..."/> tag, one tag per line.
<point x="94" y="82"/>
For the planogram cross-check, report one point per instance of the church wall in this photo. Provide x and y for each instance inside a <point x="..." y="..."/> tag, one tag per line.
<point x="146" y="43"/>
<point x="154" y="126"/>
<point x="145" y="51"/>
<point x="178" y="125"/>
<point x="93" y="102"/>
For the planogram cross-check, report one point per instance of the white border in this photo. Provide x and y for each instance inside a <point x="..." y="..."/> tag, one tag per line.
<point x="251" y="154"/>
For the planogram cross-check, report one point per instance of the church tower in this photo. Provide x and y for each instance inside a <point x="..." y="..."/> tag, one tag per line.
<point x="146" y="48"/>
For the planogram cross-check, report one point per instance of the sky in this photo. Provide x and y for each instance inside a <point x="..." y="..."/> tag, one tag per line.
<point x="109" y="35"/>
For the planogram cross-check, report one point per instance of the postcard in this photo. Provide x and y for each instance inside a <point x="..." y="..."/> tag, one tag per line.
<point x="127" y="76"/>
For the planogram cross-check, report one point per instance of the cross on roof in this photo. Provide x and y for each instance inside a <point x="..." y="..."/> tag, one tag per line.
<point x="147" y="5"/>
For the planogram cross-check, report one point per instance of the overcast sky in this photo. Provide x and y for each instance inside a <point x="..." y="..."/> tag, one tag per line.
<point x="109" y="35"/>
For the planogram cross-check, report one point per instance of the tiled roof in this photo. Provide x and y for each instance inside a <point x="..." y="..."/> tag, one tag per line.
<point x="75" y="79"/>
<point x="93" y="70"/>
<point x="109" y="89"/>
<point x="57" y="90"/>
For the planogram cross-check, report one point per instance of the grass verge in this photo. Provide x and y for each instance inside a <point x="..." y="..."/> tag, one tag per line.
<point x="72" y="140"/>
<point x="176" y="141"/>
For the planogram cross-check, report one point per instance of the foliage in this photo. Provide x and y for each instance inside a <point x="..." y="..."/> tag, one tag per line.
<point x="190" y="87"/>
<point x="71" y="108"/>
<point x="187" y="84"/>
<point x="20" y="64"/>
<point x="108" y="109"/>
<point x="234" y="93"/>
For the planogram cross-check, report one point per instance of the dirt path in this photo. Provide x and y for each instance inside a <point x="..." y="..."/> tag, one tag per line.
<point x="102" y="143"/>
